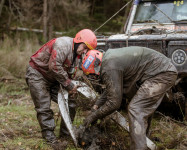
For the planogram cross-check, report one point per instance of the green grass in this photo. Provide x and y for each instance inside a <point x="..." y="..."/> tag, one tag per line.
<point x="171" y="135"/>
<point x="19" y="128"/>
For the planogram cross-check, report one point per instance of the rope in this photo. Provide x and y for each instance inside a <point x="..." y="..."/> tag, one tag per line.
<point x="113" y="16"/>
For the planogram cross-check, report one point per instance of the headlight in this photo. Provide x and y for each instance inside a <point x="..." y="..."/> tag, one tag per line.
<point x="179" y="57"/>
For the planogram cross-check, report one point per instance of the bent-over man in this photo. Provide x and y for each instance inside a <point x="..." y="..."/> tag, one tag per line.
<point x="141" y="74"/>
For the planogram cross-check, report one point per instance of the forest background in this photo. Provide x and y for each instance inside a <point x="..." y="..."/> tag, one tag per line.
<point x="25" y="25"/>
<point x="47" y="19"/>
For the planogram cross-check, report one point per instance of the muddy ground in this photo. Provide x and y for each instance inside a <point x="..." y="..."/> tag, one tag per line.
<point x="19" y="128"/>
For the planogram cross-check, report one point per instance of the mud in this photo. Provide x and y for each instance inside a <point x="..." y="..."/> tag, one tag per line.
<point x="104" y="136"/>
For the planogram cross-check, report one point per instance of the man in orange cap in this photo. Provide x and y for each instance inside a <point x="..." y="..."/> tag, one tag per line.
<point x="51" y="66"/>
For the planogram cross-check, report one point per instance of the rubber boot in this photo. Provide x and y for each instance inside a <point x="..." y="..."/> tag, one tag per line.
<point x="49" y="136"/>
<point x="51" y="139"/>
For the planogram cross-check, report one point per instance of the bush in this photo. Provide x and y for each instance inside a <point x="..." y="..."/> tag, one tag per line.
<point x="14" y="55"/>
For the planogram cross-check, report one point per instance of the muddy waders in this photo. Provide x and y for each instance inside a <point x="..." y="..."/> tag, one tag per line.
<point x="42" y="92"/>
<point x="144" y="104"/>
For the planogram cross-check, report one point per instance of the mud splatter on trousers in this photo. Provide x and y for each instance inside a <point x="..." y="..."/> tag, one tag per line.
<point x="144" y="103"/>
<point x="42" y="92"/>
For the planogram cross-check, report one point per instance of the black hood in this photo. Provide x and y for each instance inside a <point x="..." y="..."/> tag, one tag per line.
<point x="76" y="45"/>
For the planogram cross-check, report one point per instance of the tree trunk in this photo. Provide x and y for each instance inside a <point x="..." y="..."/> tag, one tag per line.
<point x="50" y="22"/>
<point x="10" y="16"/>
<point x="1" y="6"/>
<point x="45" y="20"/>
<point x="92" y="8"/>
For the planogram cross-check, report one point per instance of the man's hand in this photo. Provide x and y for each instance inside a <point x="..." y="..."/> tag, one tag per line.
<point x="73" y="91"/>
<point x="90" y="119"/>
<point x="80" y="132"/>
<point x="95" y="107"/>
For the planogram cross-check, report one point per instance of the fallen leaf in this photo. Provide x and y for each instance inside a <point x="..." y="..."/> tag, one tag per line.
<point x="113" y="143"/>
<point x="83" y="143"/>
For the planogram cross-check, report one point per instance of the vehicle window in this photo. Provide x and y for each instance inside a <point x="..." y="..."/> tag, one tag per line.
<point x="148" y="12"/>
<point x="180" y="12"/>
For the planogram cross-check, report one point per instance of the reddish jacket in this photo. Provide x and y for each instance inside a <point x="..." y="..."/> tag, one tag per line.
<point x="54" y="59"/>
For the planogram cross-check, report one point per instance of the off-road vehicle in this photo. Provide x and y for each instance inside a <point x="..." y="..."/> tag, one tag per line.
<point x="162" y="26"/>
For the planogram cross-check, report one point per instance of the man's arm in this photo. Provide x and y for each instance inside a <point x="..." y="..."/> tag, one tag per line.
<point x="101" y="100"/>
<point x="113" y="79"/>
<point x="58" y="56"/>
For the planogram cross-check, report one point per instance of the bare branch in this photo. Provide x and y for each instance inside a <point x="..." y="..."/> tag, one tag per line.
<point x="167" y="117"/>
<point x="45" y="20"/>
<point x="21" y="16"/>
<point x="1" y="6"/>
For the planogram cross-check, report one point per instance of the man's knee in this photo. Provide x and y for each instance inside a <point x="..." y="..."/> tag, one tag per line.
<point x="133" y="109"/>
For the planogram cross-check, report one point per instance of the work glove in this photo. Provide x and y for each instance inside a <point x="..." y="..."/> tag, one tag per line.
<point x="74" y="90"/>
<point x="94" y="108"/>
<point x="79" y="132"/>
<point x="90" y="119"/>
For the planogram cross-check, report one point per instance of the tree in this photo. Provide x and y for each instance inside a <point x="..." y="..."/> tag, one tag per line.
<point x="45" y="20"/>
<point x="1" y="6"/>
<point x="92" y="8"/>
<point x="50" y="22"/>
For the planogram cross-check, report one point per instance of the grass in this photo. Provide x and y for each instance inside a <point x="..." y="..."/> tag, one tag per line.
<point x="19" y="128"/>
<point x="14" y="56"/>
